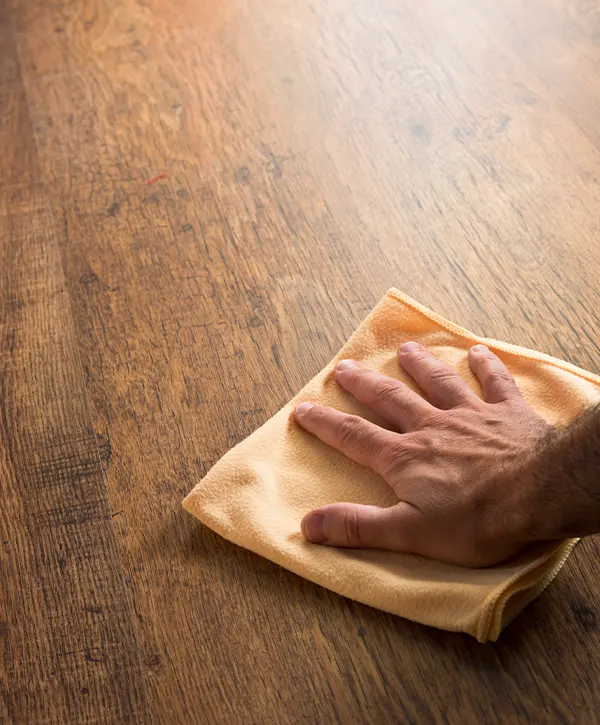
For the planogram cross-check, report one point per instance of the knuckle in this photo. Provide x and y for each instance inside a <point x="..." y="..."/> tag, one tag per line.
<point x="421" y="442"/>
<point x="420" y="357"/>
<point x="352" y="527"/>
<point x="441" y="376"/>
<point x="501" y="377"/>
<point x="349" y="428"/>
<point x="391" y="463"/>
<point x="399" y="455"/>
<point x="383" y="390"/>
<point x="436" y="418"/>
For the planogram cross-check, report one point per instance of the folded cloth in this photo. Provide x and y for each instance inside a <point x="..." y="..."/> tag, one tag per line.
<point x="256" y="495"/>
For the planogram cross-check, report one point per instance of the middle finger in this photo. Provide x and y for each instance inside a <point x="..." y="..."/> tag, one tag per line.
<point x="443" y="385"/>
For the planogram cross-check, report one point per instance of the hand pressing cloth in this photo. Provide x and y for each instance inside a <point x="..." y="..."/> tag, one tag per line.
<point x="257" y="494"/>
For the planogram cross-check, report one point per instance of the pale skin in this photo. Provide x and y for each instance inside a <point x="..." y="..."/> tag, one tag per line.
<point x="477" y="480"/>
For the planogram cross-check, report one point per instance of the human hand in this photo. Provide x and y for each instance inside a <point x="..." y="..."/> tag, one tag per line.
<point x="454" y="461"/>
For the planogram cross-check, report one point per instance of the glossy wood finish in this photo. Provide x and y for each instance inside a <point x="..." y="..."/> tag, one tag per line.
<point x="200" y="201"/>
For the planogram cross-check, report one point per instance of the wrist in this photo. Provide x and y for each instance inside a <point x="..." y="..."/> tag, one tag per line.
<point x="561" y="489"/>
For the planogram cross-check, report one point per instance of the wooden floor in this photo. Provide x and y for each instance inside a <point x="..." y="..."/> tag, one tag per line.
<point x="199" y="201"/>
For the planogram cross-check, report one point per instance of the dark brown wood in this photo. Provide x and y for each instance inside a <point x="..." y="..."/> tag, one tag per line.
<point x="68" y="651"/>
<point x="232" y="188"/>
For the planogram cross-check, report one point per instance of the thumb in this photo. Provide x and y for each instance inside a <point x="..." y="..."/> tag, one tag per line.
<point x="357" y="526"/>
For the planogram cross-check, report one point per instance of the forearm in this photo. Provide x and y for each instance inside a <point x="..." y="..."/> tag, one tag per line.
<point x="566" y="471"/>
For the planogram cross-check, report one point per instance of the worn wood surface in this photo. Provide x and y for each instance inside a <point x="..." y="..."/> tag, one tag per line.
<point x="199" y="202"/>
<point x="68" y="649"/>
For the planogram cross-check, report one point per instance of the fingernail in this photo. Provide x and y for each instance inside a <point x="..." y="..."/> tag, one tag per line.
<point x="479" y="348"/>
<point x="409" y="347"/>
<point x="345" y="365"/>
<point x="303" y="408"/>
<point x="313" y="527"/>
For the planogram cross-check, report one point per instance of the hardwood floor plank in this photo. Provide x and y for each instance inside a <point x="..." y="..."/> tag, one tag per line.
<point x="67" y="644"/>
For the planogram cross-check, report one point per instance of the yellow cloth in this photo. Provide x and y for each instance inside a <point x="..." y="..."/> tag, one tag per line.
<point x="258" y="492"/>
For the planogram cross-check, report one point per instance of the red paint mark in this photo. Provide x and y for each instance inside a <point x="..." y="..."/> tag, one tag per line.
<point x="155" y="179"/>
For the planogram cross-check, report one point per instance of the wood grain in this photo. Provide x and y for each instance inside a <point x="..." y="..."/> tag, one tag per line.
<point x="67" y="642"/>
<point x="232" y="190"/>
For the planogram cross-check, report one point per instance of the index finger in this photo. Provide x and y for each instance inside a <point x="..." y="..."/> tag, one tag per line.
<point x="358" y="439"/>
